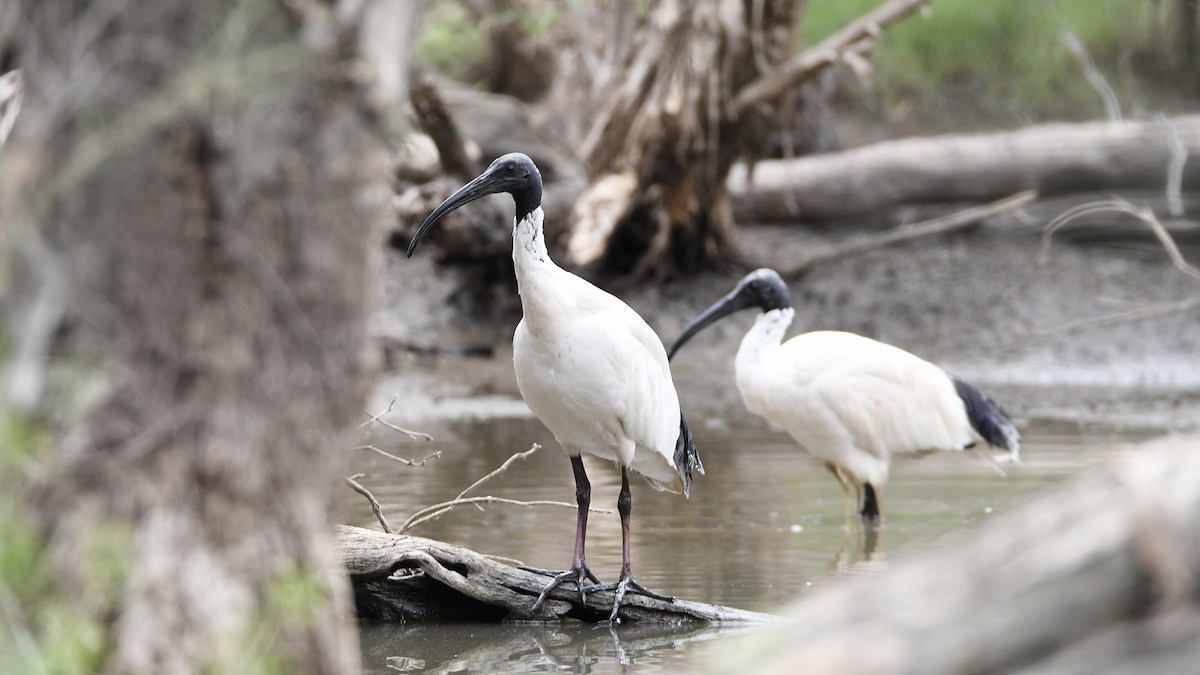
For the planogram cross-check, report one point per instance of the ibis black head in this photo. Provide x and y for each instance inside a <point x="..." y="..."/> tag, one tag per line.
<point x="762" y="288"/>
<point x="513" y="173"/>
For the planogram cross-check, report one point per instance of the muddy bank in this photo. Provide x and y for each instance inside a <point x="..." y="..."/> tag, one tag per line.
<point x="978" y="303"/>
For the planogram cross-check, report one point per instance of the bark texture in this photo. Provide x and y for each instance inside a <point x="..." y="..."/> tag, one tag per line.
<point x="700" y="86"/>
<point x="208" y="174"/>
<point x="404" y="578"/>
<point x="664" y="139"/>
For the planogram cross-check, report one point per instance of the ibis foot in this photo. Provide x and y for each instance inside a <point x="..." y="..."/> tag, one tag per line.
<point x="579" y="575"/>
<point x="622" y="587"/>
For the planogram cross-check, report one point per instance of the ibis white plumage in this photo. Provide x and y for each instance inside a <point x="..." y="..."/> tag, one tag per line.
<point x="589" y="368"/>
<point x="851" y="401"/>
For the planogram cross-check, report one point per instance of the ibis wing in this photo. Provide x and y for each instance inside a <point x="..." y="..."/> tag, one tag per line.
<point x="879" y="398"/>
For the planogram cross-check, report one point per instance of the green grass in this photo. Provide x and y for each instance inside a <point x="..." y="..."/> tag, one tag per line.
<point x="1009" y="55"/>
<point x="962" y="63"/>
<point x="41" y="632"/>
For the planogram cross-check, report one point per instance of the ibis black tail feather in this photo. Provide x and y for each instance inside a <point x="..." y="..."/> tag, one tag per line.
<point x="687" y="458"/>
<point x="987" y="418"/>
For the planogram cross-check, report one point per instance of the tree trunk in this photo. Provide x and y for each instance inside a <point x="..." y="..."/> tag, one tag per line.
<point x="1051" y="158"/>
<point x="701" y="84"/>
<point x="208" y="176"/>
<point x="663" y="139"/>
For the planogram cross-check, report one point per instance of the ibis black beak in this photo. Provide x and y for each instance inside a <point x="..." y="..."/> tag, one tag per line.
<point x="485" y="184"/>
<point x="737" y="300"/>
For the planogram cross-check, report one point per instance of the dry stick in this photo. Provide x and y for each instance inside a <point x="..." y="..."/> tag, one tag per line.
<point x="1147" y="217"/>
<point x="438" y="509"/>
<point x="1093" y="75"/>
<point x="378" y="418"/>
<point x="940" y="225"/>
<point x="431" y="512"/>
<point x="410" y="462"/>
<point x="358" y="487"/>
<point x="503" y="467"/>
<point x="1179" y="157"/>
<point x="809" y="62"/>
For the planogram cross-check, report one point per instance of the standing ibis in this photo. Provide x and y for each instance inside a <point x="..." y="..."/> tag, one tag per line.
<point x="589" y="368"/>
<point x="850" y="400"/>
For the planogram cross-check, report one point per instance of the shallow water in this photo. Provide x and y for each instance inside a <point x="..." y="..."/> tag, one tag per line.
<point x="762" y="528"/>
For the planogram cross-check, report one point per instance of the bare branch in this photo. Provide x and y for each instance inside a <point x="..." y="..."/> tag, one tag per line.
<point x="1147" y="217"/>
<point x="409" y="462"/>
<point x="1118" y="205"/>
<point x="431" y="512"/>
<point x="379" y="418"/>
<point x="940" y="225"/>
<point x="1093" y="75"/>
<point x="358" y="487"/>
<point x="436" y="510"/>
<point x="809" y="62"/>
<point x="1179" y="157"/>
<point x="503" y="467"/>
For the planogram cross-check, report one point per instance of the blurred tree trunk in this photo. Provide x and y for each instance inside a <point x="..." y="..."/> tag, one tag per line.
<point x="664" y="137"/>
<point x="210" y="176"/>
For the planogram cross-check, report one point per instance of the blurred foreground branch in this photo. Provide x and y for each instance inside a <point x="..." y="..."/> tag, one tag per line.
<point x="1114" y="554"/>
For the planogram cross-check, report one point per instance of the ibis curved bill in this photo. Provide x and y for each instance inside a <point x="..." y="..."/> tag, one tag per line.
<point x="850" y="400"/>
<point x="589" y="368"/>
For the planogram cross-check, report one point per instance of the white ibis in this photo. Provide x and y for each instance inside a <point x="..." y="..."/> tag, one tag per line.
<point x="850" y="400"/>
<point x="589" y="368"/>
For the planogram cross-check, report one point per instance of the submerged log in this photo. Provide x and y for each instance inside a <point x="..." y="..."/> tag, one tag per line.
<point x="400" y="577"/>
<point x="1034" y="586"/>
<point x="1051" y="159"/>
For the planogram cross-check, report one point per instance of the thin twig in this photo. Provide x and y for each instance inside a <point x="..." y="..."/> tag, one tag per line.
<point x="379" y="418"/>
<point x="358" y="487"/>
<point x="940" y="225"/>
<point x="431" y="512"/>
<point x="1179" y="157"/>
<point x="503" y="467"/>
<point x="410" y="462"/>
<point x="1145" y="216"/>
<point x="867" y="28"/>
<point x="1094" y="76"/>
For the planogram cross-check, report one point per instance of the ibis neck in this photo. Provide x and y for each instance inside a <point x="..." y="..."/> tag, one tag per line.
<point x="755" y="362"/>
<point x="538" y="277"/>
<point x="529" y="242"/>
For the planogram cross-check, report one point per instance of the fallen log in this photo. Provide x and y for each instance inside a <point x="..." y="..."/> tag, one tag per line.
<point x="405" y="578"/>
<point x="1051" y="159"/>
<point x="1115" y="552"/>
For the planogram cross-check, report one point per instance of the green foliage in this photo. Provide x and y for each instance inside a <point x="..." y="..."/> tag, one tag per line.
<point x="452" y="41"/>
<point x="41" y="629"/>
<point x="1010" y="56"/>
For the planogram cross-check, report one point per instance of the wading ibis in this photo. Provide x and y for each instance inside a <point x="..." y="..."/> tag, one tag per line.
<point x="850" y="400"/>
<point x="589" y="368"/>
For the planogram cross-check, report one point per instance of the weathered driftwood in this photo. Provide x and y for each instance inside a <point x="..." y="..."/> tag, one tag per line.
<point x="442" y="581"/>
<point x="1111" y="547"/>
<point x="1051" y="158"/>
